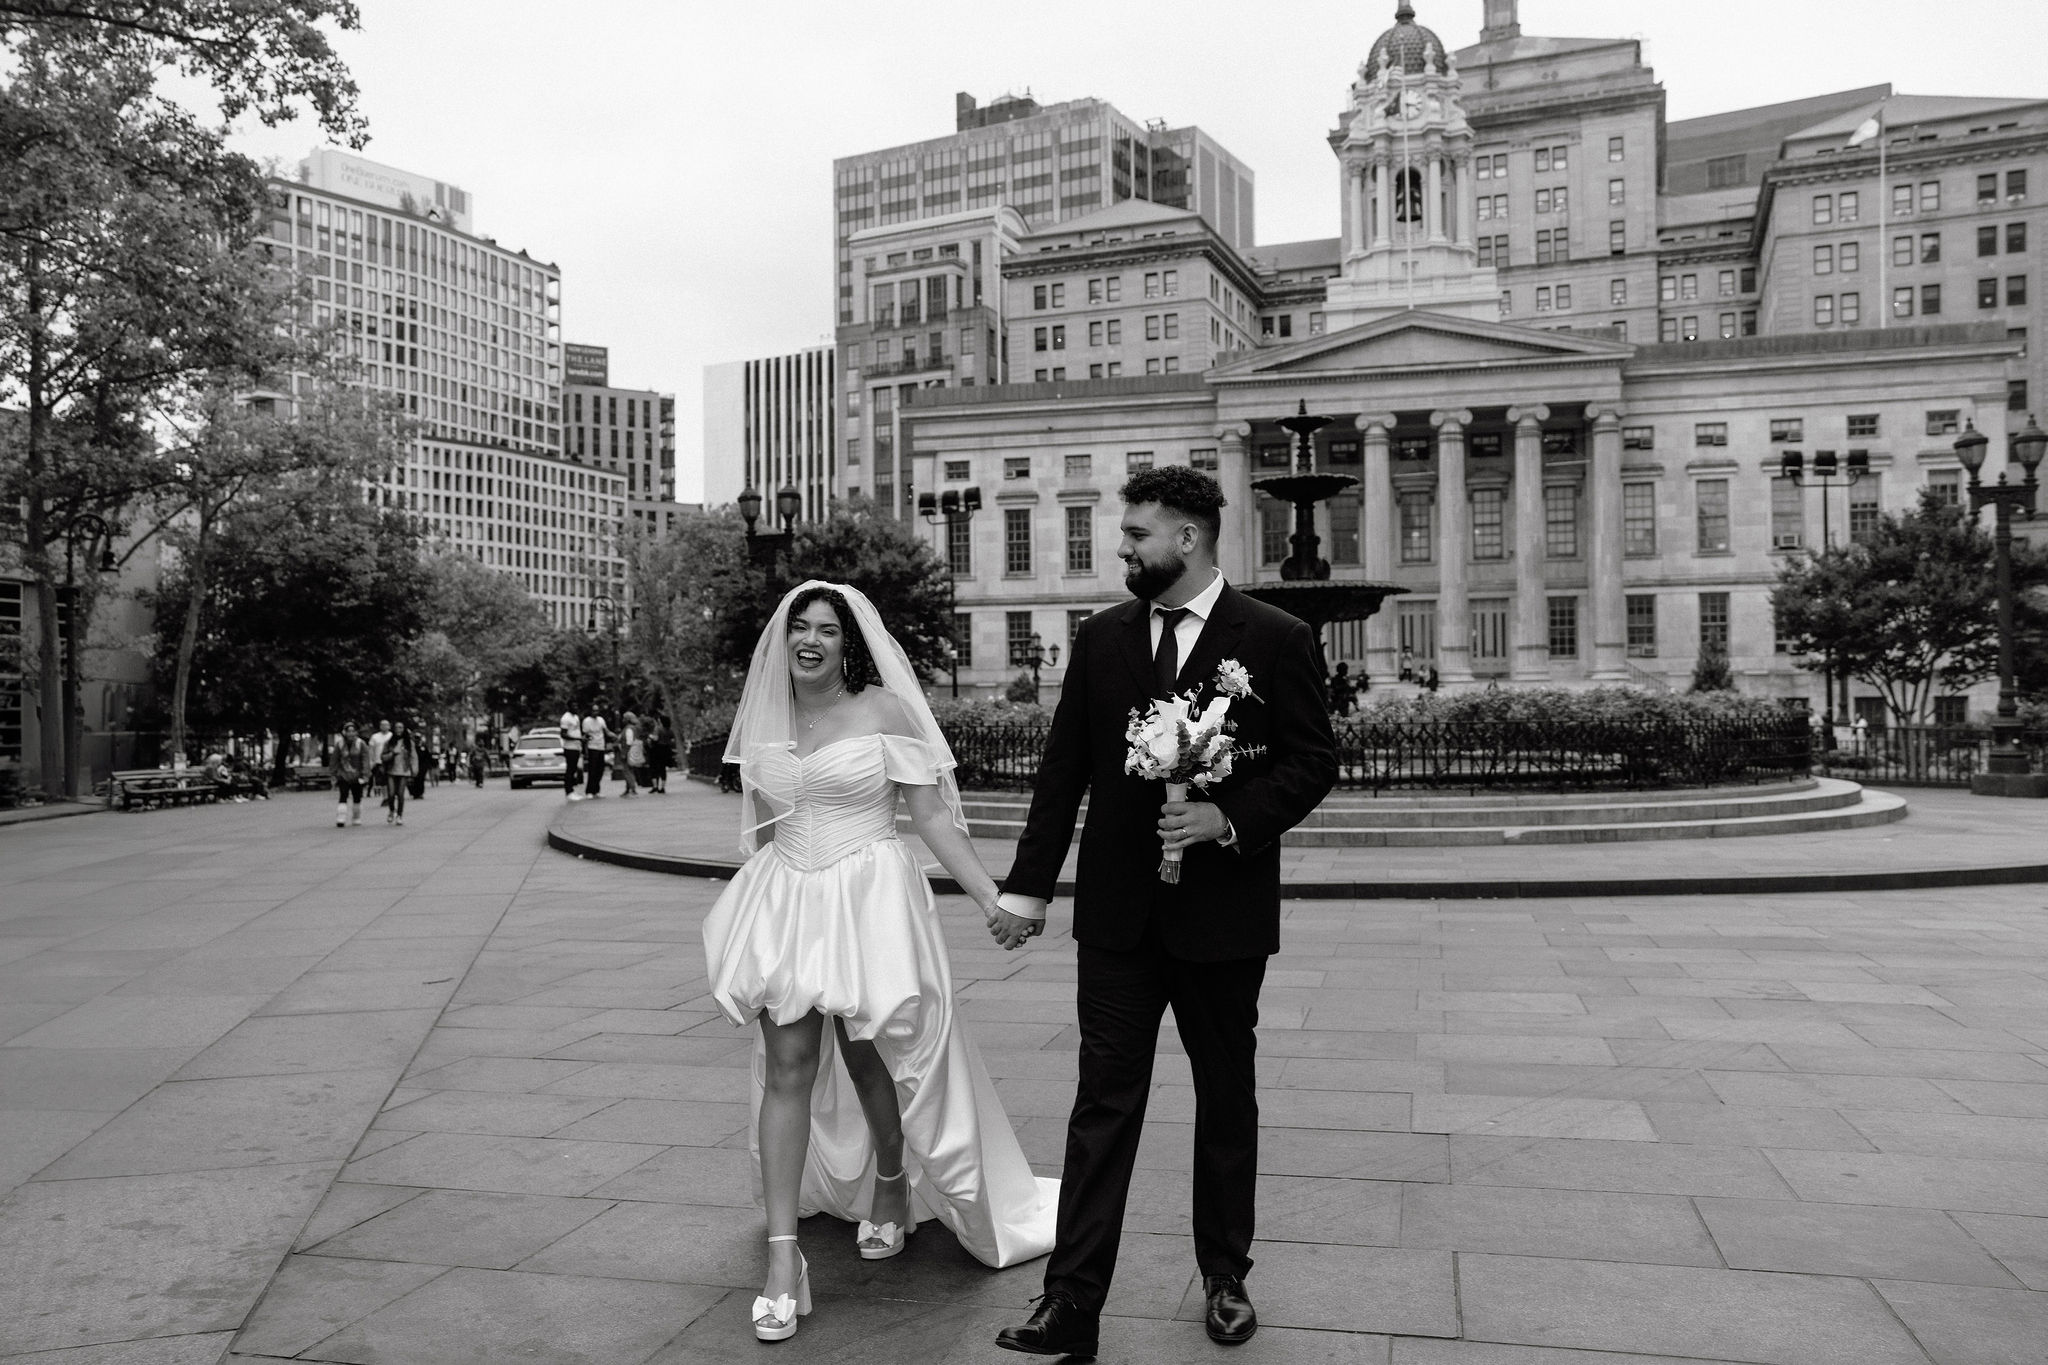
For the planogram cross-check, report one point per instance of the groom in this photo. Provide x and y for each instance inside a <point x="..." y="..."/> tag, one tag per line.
<point x="1200" y="946"/>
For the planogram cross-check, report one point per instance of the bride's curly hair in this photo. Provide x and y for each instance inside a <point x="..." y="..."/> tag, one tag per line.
<point x="856" y="664"/>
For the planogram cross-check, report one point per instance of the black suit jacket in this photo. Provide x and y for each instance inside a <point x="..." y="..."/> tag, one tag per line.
<point x="1227" y="904"/>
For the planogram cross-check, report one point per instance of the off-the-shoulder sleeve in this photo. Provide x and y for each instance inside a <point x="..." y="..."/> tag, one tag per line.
<point x="909" y="761"/>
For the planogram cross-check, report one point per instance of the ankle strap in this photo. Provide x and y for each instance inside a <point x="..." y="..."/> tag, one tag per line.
<point x="898" y="1176"/>
<point x="785" y="1237"/>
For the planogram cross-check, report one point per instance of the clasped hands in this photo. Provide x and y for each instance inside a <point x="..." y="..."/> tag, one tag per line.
<point x="1180" y="823"/>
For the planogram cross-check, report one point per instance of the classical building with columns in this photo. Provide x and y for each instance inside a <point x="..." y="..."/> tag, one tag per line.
<point x="1558" y="506"/>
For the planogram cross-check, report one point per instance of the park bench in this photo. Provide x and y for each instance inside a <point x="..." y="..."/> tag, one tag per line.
<point x="311" y="777"/>
<point x="160" y="787"/>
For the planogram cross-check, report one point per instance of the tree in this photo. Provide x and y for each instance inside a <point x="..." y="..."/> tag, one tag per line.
<point x="1909" y="608"/>
<point x="1710" y="672"/>
<point x="125" y="251"/>
<point x="482" y="630"/>
<point x="311" y="608"/>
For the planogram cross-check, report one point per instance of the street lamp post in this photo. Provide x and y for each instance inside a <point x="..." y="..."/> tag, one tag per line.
<point x="2008" y="773"/>
<point x="1792" y="465"/>
<point x="955" y="506"/>
<point x="765" y="546"/>
<point x="1035" y="656"/>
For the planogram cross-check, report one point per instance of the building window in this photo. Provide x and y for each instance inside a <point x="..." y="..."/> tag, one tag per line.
<point x="1172" y="321"/>
<point x="1710" y="511"/>
<point x="1866" y="505"/>
<point x="1275" y="525"/>
<point x="1617" y="238"/>
<point x="1151" y="284"/>
<point x="1710" y="433"/>
<point x="1488" y="542"/>
<point x="1078" y="466"/>
<point x="1946" y="485"/>
<point x="960" y="547"/>
<point x="1930" y="247"/>
<point x="1987" y="240"/>
<point x="1039" y="337"/>
<point x="1564" y="292"/>
<point x="1863" y="424"/>
<point x="1930" y="299"/>
<point x="1902" y="251"/>
<point x="1152" y="327"/>
<point x="1564" y="627"/>
<point x="1823" y="209"/>
<point x="1016" y="540"/>
<point x="1642" y="625"/>
<point x="1080" y="540"/>
<point x="963" y="639"/>
<point x="1724" y="171"/>
<point x="1849" y="256"/>
<point x="1667" y="329"/>
<point x="1846" y="206"/>
<point x="1987" y="188"/>
<point x="1038" y="296"/>
<point x="1418" y="531"/>
<point x="2015" y="185"/>
<point x="1639" y="438"/>
<point x="1785" y="430"/>
<point x="1902" y="201"/>
<point x="1726" y="282"/>
<point x="1617" y="191"/>
<point x="1561" y="521"/>
<point x="1315" y="324"/>
<point x="1943" y="421"/>
<point x="1172" y="282"/>
<point x="2016" y="395"/>
<point x="1136" y="460"/>
<point x="2015" y="289"/>
<point x="1059" y="296"/>
<point x="1614" y="146"/>
<point x="1059" y="338"/>
<point x="1617" y="293"/>
<point x="1688" y="329"/>
<point x="2016" y="236"/>
<point x="1824" y="310"/>
<point x="956" y="471"/>
<point x="1688" y="287"/>
<point x="1714" y="621"/>
<point x="1727" y="322"/>
<point x="1095" y="291"/>
<point x="1095" y="334"/>
<point x="1823" y="264"/>
<point x="1788" y="514"/>
<point x="1016" y="466"/>
<point x="1203" y="458"/>
<point x="1017" y="635"/>
<point x="1902" y="301"/>
<point x="1987" y="293"/>
<point x="1930" y="196"/>
<point x="1543" y="290"/>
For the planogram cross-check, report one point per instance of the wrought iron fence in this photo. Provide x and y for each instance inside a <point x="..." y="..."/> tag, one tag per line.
<point x="1919" y="755"/>
<point x="1453" y="755"/>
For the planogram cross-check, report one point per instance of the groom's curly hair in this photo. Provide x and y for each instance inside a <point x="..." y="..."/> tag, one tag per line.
<point x="1179" y="489"/>
<point x="856" y="662"/>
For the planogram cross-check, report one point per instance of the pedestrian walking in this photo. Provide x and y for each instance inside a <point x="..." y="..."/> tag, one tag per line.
<point x="1342" y="690"/>
<point x="572" y="751"/>
<point x="379" y="738"/>
<point x="596" y="739"/>
<point x="402" y="770"/>
<point x="351" y="772"/>
<point x="632" y="754"/>
<point x="660" y="754"/>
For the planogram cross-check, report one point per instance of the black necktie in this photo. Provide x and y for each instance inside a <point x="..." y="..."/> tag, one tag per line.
<point x="1166" y="659"/>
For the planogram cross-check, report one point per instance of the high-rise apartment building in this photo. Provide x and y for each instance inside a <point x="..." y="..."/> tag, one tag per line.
<point x="465" y="334"/>
<point x="631" y="432"/>
<point x="768" y="425"/>
<point x="921" y="230"/>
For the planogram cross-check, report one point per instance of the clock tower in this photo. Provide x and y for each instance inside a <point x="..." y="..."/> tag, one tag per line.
<point x="1404" y="152"/>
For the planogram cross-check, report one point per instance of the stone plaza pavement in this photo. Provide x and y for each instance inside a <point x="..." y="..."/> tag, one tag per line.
<point x="271" y="1090"/>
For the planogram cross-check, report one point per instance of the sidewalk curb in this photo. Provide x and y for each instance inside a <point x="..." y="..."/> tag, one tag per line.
<point x="1905" y="879"/>
<point x="58" y="810"/>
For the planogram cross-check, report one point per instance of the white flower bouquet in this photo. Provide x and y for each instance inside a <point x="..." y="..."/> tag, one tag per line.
<point x="1174" y="743"/>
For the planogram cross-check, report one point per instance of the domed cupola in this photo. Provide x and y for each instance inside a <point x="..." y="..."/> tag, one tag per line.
<point x="1407" y="47"/>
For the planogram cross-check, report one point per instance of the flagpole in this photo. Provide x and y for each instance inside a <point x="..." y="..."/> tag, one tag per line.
<point x="1884" y="228"/>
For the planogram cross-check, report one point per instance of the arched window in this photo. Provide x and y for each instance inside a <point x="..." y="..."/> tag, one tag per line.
<point x="1408" y="195"/>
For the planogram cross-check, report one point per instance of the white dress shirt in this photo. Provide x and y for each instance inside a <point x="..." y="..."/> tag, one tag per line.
<point x="1185" y="633"/>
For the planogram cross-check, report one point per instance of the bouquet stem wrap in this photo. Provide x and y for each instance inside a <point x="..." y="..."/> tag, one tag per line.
<point x="1169" y="862"/>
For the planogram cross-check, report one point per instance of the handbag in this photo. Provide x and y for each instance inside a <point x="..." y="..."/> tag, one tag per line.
<point x="636" y="755"/>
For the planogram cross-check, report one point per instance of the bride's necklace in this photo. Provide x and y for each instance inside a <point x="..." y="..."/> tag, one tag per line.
<point x="812" y="723"/>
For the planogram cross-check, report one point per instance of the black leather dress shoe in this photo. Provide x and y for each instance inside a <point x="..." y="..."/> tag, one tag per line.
<point x="1230" y="1318"/>
<point x="1058" y="1327"/>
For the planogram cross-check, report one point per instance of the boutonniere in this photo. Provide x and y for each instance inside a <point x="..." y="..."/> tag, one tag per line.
<point x="1233" y="679"/>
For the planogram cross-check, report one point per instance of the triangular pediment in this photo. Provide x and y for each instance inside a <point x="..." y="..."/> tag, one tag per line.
<point x="1416" y="339"/>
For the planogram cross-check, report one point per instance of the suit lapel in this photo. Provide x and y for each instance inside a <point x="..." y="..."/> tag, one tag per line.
<point x="1218" y="638"/>
<point x="1135" y="636"/>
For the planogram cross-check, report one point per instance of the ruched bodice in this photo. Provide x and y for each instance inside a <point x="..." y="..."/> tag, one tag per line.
<point x="834" y="915"/>
<point x="844" y="798"/>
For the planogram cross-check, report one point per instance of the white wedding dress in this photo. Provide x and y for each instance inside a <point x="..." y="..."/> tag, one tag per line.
<point x="835" y="915"/>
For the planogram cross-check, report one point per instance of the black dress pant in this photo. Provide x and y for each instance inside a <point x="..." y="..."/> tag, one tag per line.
<point x="1120" y="998"/>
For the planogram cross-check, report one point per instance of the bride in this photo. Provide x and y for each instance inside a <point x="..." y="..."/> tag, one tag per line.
<point x="831" y="918"/>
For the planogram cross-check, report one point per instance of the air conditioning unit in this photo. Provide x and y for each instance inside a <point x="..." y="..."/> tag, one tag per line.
<point x="1787" y="542"/>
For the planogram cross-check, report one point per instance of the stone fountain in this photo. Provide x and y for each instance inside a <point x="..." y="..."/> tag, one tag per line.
<point x="1305" y="589"/>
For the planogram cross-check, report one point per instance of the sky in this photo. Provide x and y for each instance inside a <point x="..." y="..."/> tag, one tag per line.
<point x="674" y="157"/>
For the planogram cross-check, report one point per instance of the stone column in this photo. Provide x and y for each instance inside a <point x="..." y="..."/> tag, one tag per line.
<point x="1379" y="523"/>
<point x="1532" y="626"/>
<point x="1461" y="205"/>
<point x="1382" y="202"/>
<point x="1234" y="471"/>
<point x="1454" y="548"/>
<point x="1603" y="577"/>
<point x="1347" y="216"/>
<point x="1434" y="209"/>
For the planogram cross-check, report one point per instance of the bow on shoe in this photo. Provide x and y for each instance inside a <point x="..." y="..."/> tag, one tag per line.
<point x="885" y="1234"/>
<point x="778" y="1310"/>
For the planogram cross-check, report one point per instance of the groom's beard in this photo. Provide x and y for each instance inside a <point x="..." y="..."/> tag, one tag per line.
<point x="1148" y="581"/>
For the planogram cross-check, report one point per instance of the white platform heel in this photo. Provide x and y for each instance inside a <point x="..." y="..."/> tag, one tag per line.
<point x="775" y="1319"/>
<point x="880" y="1243"/>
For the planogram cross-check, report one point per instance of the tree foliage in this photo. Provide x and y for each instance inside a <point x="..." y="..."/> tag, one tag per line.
<point x="1910" y="608"/>
<point x="1710" y="672"/>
